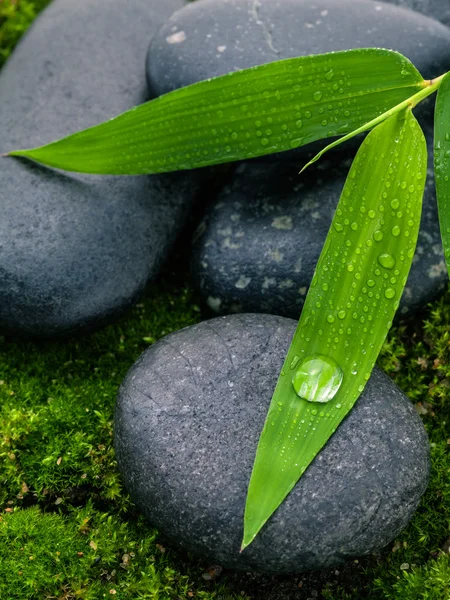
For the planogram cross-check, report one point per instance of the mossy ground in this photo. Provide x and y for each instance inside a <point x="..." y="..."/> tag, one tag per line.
<point x="69" y="531"/>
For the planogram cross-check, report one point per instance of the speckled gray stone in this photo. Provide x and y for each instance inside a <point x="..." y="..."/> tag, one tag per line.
<point x="437" y="9"/>
<point x="258" y="245"/>
<point x="187" y="422"/>
<point x="76" y="250"/>
<point x="212" y="37"/>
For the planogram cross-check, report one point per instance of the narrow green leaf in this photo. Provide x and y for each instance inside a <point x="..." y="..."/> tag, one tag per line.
<point x="262" y="110"/>
<point x="442" y="162"/>
<point x="430" y="88"/>
<point x="349" y="309"/>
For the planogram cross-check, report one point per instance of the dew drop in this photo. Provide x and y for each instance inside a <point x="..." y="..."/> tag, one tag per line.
<point x="395" y="231"/>
<point x="318" y="379"/>
<point x="338" y="226"/>
<point x="342" y="314"/>
<point x="329" y="75"/>
<point x="295" y="143"/>
<point x="389" y="293"/>
<point x="371" y="214"/>
<point x="308" y="114"/>
<point x="387" y="261"/>
<point x="330" y="319"/>
<point x="395" y="203"/>
<point x="294" y="361"/>
<point x="378" y="235"/>
<point x="317" y="96"/>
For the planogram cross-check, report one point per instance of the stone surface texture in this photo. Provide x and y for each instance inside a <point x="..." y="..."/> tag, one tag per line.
<point x="245" y="258"/>
<point x="258" y="245"/>
<point x="213" y="37"/>
<point x="437" y="9"/>
<point x="187" y="422"/>
<point x="76" y="250"/>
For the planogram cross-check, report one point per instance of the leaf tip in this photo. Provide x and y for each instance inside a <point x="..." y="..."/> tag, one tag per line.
<point x="304" y="168"/>
<point x="312" y="161"/>
<point x="248" y="537"/>
<point x="245" y="542"/>
<point x="15" y="153"/>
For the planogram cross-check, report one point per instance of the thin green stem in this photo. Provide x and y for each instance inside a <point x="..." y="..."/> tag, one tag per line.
<point x="430" y="86"/>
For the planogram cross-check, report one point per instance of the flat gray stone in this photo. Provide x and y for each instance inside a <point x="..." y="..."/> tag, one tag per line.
<point x="212" y="37"/>
<point x="187" y="423"/>
<point x="258" y="244"/>
<point x="75" y="251"/>
<point x="437" y="9"/>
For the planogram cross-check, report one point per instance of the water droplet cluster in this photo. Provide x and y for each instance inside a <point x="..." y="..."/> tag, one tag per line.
<point x="442" y="165"/>
<point x="270" y="111"/>
<point x="363" y="268"/>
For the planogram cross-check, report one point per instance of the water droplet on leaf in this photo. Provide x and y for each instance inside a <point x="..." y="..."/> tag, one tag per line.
<point x="387" y="261"/>
<point x="294" y="361"/>
<point x="318" y="379"/>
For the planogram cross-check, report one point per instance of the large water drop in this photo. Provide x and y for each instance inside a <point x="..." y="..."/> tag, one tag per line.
<point x="318" y="379"/>
<point x="387" y="261"/>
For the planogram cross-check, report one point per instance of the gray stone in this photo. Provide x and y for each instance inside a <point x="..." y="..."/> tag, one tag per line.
<point x="437" y="9"/>
<point x="209" y="38"/>
<point x="258" y="245"/>
<point x="76" y="250"/>
<point x="212" y="37"/>
<point x="187" y="422"/>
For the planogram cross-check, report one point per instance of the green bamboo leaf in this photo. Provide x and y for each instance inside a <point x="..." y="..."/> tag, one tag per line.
<point x="349" y="309"/>
<point x="258" y="111"/>
<point x="442" y="162"/>
<point x="429" y="88"/>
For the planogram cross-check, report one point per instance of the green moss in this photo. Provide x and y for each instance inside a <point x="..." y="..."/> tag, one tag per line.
<point x="15" y="18"/>
<point x="68" y="530"/>
<point x="87" y="554"/>
<point x="56" y="455"/>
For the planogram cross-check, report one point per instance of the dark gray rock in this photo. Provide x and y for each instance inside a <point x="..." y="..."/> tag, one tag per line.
<point x="187" y="422"/>
<point x="212" y="37"/>
<point x="258" y="245"/>
<point x="209" y="38"/>
<point x="76" y="250"/>
<point x="437" y="9"/>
